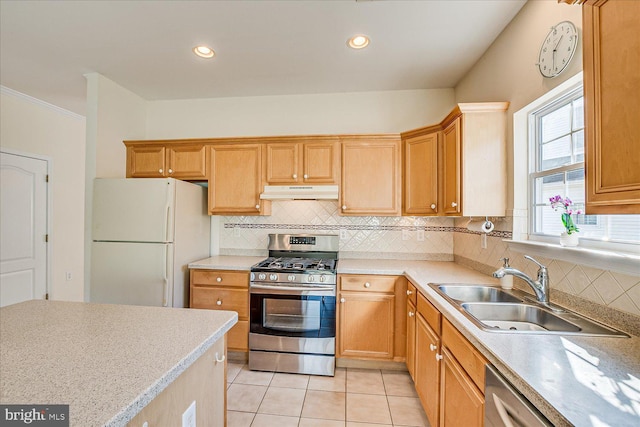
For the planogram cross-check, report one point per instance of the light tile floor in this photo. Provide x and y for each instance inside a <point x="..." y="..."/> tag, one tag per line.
<point x="353" y="398"/>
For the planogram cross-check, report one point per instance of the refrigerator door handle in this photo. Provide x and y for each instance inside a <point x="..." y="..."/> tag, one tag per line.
<point x="165" y="299"/>
<point x="167" y="228"/>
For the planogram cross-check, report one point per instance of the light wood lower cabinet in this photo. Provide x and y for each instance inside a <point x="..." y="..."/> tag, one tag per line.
<point x="370" y="324"/>
<point x="224" y="290"/>
<point x="411" y="329"/>
<point x="204" y="382"/>
<point x="427" y="369"/>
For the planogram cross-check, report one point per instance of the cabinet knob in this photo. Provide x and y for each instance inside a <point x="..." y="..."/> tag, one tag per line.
<point x="170" y="170"/>
<point x="454" y="204"/>
<point x="295" y="176"/>
<point x="438" y="357"/>
<point x="367" y="285"/>
<point x="344" y="207"/>
<point x="341" y="299"/>
<point x="411" y="314"/>
<point x="433" y="206"/>
<point x="219" y="302"/>
<point x="433" y="347"/>
<point x="159" y="170"/>
<point x="220" y="359"/>
<point x="258" y="207"/>
<point x="305" y="176"/>
<point x="218" y="279"/>
<point x="409" y="292"/>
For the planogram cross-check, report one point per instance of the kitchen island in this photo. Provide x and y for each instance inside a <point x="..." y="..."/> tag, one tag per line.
<point x="111" y="363"/>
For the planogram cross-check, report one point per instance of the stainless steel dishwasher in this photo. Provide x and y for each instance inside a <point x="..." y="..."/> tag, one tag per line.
<point x="506" y="407"/>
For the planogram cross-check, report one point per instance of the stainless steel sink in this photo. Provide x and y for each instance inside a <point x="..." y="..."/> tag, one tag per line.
<point x="467" y="293"/>
<point x="518" y="317"/>
<point x="495" y="310"/>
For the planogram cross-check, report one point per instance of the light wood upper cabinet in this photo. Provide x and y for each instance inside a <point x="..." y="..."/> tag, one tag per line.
<point x="612" y="106"/>
<point x="370" y="176"/>
<point x="421" y="173"/>
<point x="474" y="160"/>
<point x="302" y="162"/>
<point x="164" y="160"/>
<point x="235" y="180"/>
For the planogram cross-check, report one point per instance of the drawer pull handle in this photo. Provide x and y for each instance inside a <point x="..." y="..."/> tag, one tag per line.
<point x="438" y="357"/>
<point x="219" y="279"/>
<point x="409" y="292"/>
<point x="433" y="347"/>
<point x="220" y="359"/>
<point x="219" y="302"/>
<point x="367" y="285"/>
<point x="411" y="314"/>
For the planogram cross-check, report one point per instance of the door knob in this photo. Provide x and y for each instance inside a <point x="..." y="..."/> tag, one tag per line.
<point x="219" y="302"/>
<point x="367" y="285"/>
<point x="170" y="170"/>
<point x="411" y="314"/>
<point x="159" y="170"/>
<point x="305" y="176"/>
<point x="409" y="292"/>
<point x="295" y="176"/>
<point x="433" y="206"/>
<point x="439" y="357"/>
<point x="344" y="207"/>
<point x="432" y="347"/>
<point x="258" y="207"/>
<point x="454" y="204"/>
<point x="341" y="299"/>
<point x="219" y="279"/>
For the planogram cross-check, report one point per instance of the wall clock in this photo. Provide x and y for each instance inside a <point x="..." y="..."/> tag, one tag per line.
<point x="557" y="49"/>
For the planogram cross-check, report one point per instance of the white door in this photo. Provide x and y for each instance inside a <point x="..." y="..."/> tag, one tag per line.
<point x="23" y="227"/>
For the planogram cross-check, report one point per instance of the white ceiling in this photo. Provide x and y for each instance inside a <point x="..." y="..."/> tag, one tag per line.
<point x="263" y="47"/>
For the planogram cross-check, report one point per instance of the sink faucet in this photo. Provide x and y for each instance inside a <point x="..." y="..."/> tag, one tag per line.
<point x="540" y="286"/>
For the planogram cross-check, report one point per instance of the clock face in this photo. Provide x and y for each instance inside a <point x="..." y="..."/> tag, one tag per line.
<point x="558" y="49"/>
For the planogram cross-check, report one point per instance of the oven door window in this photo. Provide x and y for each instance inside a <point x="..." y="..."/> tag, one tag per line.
<point x="293" y="316"/>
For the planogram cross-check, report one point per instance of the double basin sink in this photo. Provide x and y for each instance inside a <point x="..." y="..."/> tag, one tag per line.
<point x="495" y="310"/>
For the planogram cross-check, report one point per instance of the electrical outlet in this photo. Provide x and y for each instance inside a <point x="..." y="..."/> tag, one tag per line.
<point x="405" y="234"/>
<point x="189" y="416"/>
<point x="343" y="234"/>
<point x="69" y="276"/>
<point x="420" y="235"/>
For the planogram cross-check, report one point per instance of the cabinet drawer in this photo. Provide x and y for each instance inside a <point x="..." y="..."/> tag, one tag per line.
<point x="368" y="283"/>
<point x="429" y="312"/>
<point x="412" y="293"/>
<point x="465" y="353"/>
<point x="221" y="299"/>
<point x="220" y="278"/>
<point x="238" y="336"/>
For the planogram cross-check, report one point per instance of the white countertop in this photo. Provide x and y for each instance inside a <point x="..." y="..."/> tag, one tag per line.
<point x="581" y="381"/>
<point x="106" y="362"/>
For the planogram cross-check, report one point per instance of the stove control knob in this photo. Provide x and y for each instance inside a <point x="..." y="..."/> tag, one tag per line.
<point x="262" y="276"/>
<point x="323" y="279"/>
<point x="253" y="277"/>
<point x="273" y="277"/>
<point x="311" y="278"/>
<point x="291" y="278"/>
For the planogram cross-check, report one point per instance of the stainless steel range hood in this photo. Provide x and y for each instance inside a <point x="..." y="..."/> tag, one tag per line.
<point x="300" y="192"/>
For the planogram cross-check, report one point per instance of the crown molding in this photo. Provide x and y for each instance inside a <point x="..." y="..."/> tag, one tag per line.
<point x="14" y="93"/>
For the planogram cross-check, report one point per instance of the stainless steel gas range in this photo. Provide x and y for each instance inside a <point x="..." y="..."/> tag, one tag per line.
<point x="293" y="305"/>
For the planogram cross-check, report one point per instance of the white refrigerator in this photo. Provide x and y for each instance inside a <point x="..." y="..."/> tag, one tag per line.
<point x="145" y="233"/>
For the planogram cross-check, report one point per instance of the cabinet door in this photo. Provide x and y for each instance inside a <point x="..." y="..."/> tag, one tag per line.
<point x="451" y="168"/>
<point x="421" y="175"/>
<point x="612" y="106"/>
<point x="320" y="162"/>
<point x="187" y="162"/>
<point x="366" y="322"/>
<point x="427" y="370"/>
<point x="370" y="178"/>
<point x="235" y="178"/>
<point x="411" y="339"/>
<point x="146" y="161"/>
<point x="462" y="402"/>
<point x="282" y="163"/>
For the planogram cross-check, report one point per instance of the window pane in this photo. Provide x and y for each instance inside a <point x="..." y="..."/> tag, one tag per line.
<point x="556" y="123"/>
<point x="578" y="113"/>
<point x="556" y="153"/>
<point x="578" y="146"/>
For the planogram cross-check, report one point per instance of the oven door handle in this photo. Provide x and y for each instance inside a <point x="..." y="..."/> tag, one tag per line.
<point x="293" y="290"/>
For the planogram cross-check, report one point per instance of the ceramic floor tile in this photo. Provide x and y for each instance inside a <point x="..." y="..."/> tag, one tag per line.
<point x="335" y="383"/>
<point x="354" y="424"/>
<point x="398" y="383"/>
<point x="245" y="397"/>
<point x="314" y="422"/>
<point x="233" y="369"/>
<point x="282" y="401"/>
<point x="239" y="419"/>
<point x="328" y="405"/>
<point x="245" y="376"/>
<point x="368" y="408"/>
<point x="407" y="411"/>
<point x="290" y="380"/>
<point x="264" y="420"/>
<point x="367" y="381"/>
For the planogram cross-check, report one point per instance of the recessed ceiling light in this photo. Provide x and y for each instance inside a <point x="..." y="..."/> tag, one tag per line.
<point x="358" y="42"/>
<point x="204" y="51"/>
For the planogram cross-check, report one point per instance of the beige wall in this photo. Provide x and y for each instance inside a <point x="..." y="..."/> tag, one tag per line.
<point x="31" y="126"/>
<point x="362" y="112"/>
